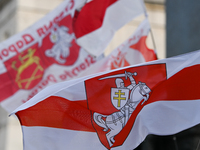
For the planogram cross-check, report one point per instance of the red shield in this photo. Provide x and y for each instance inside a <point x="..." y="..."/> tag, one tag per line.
<point x="99" y="97"/>
<point x="72" y="48"/>
<point x="26" y="68"/>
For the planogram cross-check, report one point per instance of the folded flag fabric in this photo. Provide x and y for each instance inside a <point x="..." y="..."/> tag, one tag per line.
<point x="115" y="109"/>
<point x="98" y="20"/>
<point x="133" y="51"/>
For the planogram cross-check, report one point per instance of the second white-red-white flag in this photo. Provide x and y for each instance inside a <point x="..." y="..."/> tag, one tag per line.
<point x="98" y="20"/>
<point x="132" y="51"/>
<point x="47" y="53"/>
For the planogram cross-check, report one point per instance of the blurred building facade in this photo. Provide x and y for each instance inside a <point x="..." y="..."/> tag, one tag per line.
<point x="7" y="28"/>
<point x="8" y="10"/>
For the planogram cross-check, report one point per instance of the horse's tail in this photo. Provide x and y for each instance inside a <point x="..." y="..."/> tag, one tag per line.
<point x="99" y="121"/>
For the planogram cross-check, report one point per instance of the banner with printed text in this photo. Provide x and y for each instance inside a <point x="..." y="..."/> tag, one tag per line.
<point x="41" y="55"/>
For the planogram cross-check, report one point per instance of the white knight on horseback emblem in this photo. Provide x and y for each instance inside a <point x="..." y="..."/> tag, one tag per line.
<point x="124" y="102"/>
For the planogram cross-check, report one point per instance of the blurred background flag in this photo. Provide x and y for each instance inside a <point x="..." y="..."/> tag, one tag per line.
<point x="98" y="20"/>
<point x="47" y="52"/>
<point x="132" y="51"/>
<point x="41" y="55"/>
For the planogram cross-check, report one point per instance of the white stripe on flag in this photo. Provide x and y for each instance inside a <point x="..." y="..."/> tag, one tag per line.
<point x="163" y="118"/>
<point x="69" y="139"/>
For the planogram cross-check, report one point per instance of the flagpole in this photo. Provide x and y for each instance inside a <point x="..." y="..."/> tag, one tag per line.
<point x="175" y="142"/>
<point x="151" y="32"/>
<point x="198" y="144"/>
<point x="153" y="40"/>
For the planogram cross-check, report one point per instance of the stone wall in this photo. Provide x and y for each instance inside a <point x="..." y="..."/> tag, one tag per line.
<point x="7" y="28"/>
<point x="3" y="128"/>
<point x="8" y="10"/>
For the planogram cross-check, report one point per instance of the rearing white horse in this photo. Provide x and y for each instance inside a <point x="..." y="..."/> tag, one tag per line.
<point x="117" y="120"/>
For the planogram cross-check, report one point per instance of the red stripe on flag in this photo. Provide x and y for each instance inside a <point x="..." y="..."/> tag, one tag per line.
<point x="141" y="46"/>
<point x="58" y="112"/>
<point x="7" y="87"/>
<point x="184" y="85"/>
<point x="90" y="17"/>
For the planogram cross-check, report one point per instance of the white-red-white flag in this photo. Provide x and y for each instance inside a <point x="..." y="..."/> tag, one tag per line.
<point x="133" y="51"/>
<point x="115" y="110"/>
<point x="47" y="53"/>
<point x="98" y="20"/>
<point x="41" y="55"/>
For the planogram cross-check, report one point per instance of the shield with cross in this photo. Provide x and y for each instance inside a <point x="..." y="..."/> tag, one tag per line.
<point x="119" y="97"/>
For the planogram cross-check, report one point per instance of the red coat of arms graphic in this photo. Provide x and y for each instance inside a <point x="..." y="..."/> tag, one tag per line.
<point x="26" y="68"/>
<point x="115" y="105"/>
